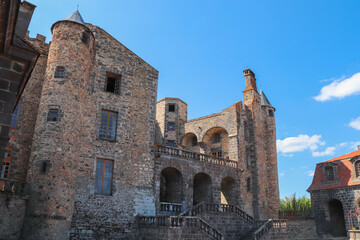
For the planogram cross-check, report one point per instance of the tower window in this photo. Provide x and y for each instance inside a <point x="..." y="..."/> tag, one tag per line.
<point x="271" y="113"/>
<point x="45" y="166"/>
<point x="85" y="38"/>
<point x="5" y="169"/>
<point x="15" y="115"/>
<point x="108" y="125"/>
<point x="60" y="72"/>
<point x="248" y="184"/>
<point x="53" y="115"/>
<point x="171" y="107"/>
<point x="103" y="178"/>
<point x="112" y="83"/>
<point x="171" y="126"/>
<point x="171" y="143"/>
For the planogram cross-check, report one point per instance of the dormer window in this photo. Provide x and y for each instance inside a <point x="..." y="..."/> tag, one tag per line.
<point x="329" y="173"/>
<point x="357" y="168"/>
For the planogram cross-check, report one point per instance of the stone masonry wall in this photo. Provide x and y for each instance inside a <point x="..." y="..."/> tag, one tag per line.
<point x="113" y="216"/>
<point x="301" y="229"/>
<point x="348" y="196"/>
<point x="165" y="233"/>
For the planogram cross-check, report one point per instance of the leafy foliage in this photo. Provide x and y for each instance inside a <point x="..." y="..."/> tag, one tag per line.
<point x="295" y="204"/>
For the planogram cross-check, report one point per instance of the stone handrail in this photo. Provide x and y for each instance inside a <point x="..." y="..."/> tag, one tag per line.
<point x="170" y="207"/>
<point x="215" y="207"/>
<point x="265" y="228"/>
<point x="295" y="214"/>
<point x="181" y="222"/>
<point x="196" y="156"/>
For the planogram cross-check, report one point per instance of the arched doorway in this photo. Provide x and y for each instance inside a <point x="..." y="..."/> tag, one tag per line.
<point x="190" y="142"/>
<point x="228" y="191"/>
<point x="337" y="220"/>
<point x="202" y="188"/>
<point x="171" y="185"/>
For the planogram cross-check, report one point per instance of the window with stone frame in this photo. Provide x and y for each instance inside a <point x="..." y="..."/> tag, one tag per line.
<point x="15" y="116"/>
<point x="170" y="143"/>
<point x="217" y="153"/>
<point x="108" y="125"/>
<point x="5" y="169"/>
<point x="216" y="137"/>
<point x="171" y="107"/>
<point x="271" y="113"/>
<point x="53" y="115"/>
<point x="171" y="126"/>
<point x="329" y="173"/>
<point x="85" y="38"/>
<point x="59" y="72"/>
<point x="113" y="83"/>
<point x="103" y="176"/>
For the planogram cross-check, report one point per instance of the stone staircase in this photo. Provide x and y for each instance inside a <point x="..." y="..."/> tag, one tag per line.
<point x="249" y="235"/>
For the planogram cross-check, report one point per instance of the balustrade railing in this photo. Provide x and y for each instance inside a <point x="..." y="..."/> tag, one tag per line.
<point x="215" y="207"/>
<point x="295" y="214"/>
<point x="180" y="222"/>
<point x="160" y="149"/>
<point x="170" y="207"/>
<point x="267" y="226"/>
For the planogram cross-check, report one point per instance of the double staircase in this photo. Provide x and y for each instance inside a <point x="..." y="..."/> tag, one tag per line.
<point x="215" y="221"/>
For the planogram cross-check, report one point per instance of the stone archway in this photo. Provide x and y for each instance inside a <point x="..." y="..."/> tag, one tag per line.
<point x="171" y="185"/>
<point x="337" y="220"/>
<point x="202" y="188"/>
<point x="228" y="191"/>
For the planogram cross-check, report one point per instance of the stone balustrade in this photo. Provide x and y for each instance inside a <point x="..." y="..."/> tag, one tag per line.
<point x="180" y="222"/>
<point x="170" y="207"/>
<point x="267" y="226"/>
<point x="160" y="149"/>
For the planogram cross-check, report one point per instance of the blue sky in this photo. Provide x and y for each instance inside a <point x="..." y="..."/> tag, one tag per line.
<point x="305" y="54"/>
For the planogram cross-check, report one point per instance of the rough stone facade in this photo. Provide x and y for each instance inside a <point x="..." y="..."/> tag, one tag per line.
<point x="93" y="152"/>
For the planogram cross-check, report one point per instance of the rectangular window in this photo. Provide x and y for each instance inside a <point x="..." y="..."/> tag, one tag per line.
<point x="216" y="137"/>
<point x="5" y="169"/>
<point x="59" y="72"/>
<point x="103" y="178"/>
<point x="15" y="115"/>
<point x="216" y="154"/>
<point x="108" y="125"/>
<point x="194" y="141"/>
<point x="248" y="184"/>
<point x="171" y="107"/>
<point x="171" y="126"/>
<point x="85" y="38"/>
<point x="329" y="172"/>
<point x="52" y="115"/>
<point x="171" y="143"/>
<point x="112" y="83"/>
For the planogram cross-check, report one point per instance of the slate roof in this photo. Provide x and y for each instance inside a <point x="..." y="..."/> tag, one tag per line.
<point x="264" y="100"/>
<point x="75" y="17"/>
<point x="345" y="173"/>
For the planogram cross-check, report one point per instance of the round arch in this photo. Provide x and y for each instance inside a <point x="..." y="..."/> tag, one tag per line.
<point x="335" y="212"/>
<point x="202" y="188"/>
<point x="190" y="142"/>
<point x="171" y="185"/>
<point x="216" y="142"/>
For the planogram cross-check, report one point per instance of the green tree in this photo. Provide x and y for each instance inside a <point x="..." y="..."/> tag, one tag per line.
<point x="295" y="204"/>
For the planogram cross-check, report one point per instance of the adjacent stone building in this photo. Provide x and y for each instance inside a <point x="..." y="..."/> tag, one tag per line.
<point x="335" y="194"/>
<point x="94" y="156"/>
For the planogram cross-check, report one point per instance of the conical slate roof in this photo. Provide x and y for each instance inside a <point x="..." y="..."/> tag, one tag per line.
<point x="75" y="17"/>
<point x="264" y="100"/>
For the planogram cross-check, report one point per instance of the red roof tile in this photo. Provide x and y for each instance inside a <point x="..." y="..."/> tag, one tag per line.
<point x="345" y="173"/>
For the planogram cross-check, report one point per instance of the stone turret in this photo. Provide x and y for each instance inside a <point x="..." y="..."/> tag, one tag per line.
<point x="250" y="92"/>
<point x="57" y="138"/>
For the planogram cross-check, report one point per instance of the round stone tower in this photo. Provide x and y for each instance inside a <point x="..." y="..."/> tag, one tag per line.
<point x="57" y="139"/>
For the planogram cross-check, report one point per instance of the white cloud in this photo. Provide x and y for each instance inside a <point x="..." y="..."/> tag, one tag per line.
<point x="354" y="145"/>
<point x="340" y="88"/>
<point x="282" y="174"/>
<point x="355" y="123"/>
<point x="328" y="151"/>
<point x="310" y="173"/>
<point x="299" y="143"/>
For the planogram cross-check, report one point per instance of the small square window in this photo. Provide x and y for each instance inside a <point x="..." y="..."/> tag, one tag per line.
<point x="60" y="72"/>
<point x="53" y="115"/>
<point x="171" y="126"/>
<point x="171" y="143"/>
<point x="271" y="113"/>
<point x="112" y="83"/>
<point x="171" y="107"/>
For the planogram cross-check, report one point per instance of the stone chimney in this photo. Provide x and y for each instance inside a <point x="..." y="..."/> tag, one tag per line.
<point x="250" y="80"/>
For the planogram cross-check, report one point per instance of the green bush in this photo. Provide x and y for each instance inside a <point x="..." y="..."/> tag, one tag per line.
<point x="295" y="204"/>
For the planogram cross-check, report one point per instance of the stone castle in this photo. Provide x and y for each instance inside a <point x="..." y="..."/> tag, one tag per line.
<point x="92" y="155"/>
